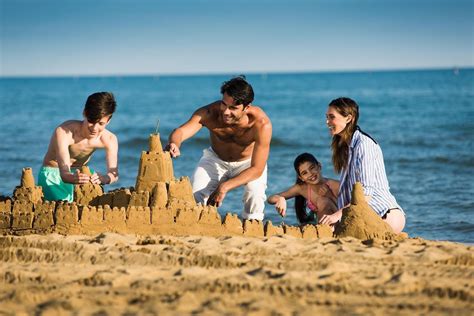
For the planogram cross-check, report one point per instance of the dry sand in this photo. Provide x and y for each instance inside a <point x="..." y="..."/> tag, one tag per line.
<point x="114" y="274"/>
<point x="236" y="272"/>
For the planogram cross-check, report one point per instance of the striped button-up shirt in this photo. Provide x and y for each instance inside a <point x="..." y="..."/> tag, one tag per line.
<point x="365" y="165"/>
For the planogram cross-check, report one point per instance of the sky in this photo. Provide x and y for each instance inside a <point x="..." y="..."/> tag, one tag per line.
<point x="145" y="37"/>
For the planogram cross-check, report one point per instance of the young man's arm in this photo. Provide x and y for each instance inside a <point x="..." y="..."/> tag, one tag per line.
<point x="258" y="162"/>
<point x="185" y="131"/>
<point x="61" y="139"/>
<point x="111" y="159"/>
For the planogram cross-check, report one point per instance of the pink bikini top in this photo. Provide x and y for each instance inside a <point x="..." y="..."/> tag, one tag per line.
<point x="310" y="204"/>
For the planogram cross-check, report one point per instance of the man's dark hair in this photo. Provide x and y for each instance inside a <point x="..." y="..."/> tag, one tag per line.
<point x="239" y="89"/>
<point x="99" y="105"/>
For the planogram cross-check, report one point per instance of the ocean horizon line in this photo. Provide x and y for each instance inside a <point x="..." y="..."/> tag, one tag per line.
<point x="228" y="73"/>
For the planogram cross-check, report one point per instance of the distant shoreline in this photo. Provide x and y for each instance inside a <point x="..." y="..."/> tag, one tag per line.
<point x="454" y="69"/>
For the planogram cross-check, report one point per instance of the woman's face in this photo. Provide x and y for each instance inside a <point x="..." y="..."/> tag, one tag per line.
<point x="335" y="121"/>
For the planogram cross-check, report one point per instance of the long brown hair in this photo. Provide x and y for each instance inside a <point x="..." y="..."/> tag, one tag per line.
<point x="340" y="142"/>
<point x="300" y="201"/>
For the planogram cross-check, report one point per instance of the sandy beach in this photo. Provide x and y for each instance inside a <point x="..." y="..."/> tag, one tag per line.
<point x="157" y="158"/>
<point x="152" y="250"/>
<point x="112" y="274"/>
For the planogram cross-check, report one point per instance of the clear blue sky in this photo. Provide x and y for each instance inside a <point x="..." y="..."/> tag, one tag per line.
<point x="118" y="37"/>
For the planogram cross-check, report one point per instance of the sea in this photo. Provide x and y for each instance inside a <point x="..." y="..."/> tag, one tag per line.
<point x="422" y="119"/>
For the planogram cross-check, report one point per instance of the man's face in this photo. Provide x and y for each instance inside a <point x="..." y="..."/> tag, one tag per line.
<point x="94" y="129"/>
<point x="231" y="113"/>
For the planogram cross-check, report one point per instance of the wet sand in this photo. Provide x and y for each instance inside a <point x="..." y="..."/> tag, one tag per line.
<point x="113" y="274"/>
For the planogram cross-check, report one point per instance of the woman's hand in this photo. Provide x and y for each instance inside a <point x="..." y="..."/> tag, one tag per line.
<point x="331" y="219"/>
<point x="280" y="206"/>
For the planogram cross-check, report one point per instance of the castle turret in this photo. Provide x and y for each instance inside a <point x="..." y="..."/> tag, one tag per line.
<point x="27" y="191"/>
<point x="155" y="166"/>
<point x="27" y="179"/>
<point x="87" y="192"/>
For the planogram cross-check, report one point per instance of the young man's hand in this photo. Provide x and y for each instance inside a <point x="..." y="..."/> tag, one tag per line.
<point x="80" y="178"/>
<point x="98" y="178"/>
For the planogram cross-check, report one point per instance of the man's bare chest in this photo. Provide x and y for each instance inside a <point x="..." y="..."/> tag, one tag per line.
<point x="239" y="137"/>
<point x="82" y="149"/>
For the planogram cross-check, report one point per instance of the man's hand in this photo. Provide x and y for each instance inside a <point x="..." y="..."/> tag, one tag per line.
<point x="280" y="206"/>
<point x="173" y="149"/>
<point x="217" y="197"/>
<point x="331" y="219"/>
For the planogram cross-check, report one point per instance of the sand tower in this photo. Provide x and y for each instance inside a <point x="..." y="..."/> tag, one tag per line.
<point x="360" y="221"/>
<point x="27" y="191"/>
<point x="27" y="205"/>
<point x="85" y="193"/>
<point x="155" y="166"/>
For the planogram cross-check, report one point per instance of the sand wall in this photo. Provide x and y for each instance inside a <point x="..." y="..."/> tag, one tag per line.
<point x="177" y="218"/>
<point x="159" y="204"/>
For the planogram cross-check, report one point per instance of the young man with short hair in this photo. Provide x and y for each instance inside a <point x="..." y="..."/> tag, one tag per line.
<point x="72" y="145"/>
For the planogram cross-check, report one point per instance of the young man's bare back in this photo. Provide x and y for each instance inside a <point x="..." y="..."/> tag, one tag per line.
<point x="72" y="145"/>
<point x="240" y="136"/>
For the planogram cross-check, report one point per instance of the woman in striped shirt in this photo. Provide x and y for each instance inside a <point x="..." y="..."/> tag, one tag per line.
<point x="358" y="158"/>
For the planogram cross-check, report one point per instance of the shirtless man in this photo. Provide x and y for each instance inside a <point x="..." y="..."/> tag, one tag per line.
<point x="240" y="135"/>
<point x="72" y="145"/>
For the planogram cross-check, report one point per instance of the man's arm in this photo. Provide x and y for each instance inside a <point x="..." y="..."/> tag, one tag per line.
<point x="111" y="154"/>
<point x="260" y="154"/>
<point x="185" y="131"/>
<point x="258" y="162"/>
<point x="61" y="141"/>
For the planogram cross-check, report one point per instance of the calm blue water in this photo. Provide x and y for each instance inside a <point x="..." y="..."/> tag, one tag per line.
<point x="424" y="121"/>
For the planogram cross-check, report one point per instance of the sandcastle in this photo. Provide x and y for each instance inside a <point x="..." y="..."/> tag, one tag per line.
<point x="158" y="204"/>
<point x="360" y="221"/>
